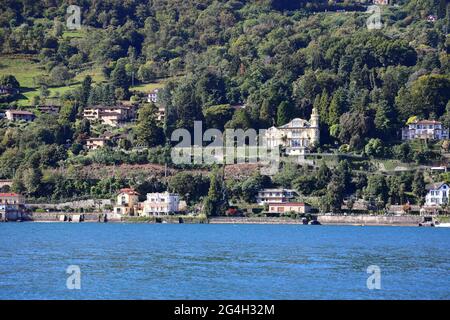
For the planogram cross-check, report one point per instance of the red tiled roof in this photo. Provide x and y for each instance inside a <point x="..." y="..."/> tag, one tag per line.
<point x="21" y="112"/>
<point x="288" y="204"/>
<point x="9" y="194"/>
<point x="129" y="191"/>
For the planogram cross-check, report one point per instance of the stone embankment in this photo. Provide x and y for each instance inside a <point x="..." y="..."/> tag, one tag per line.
<point x="367" y="220"/>
<point x="360" y="220"/>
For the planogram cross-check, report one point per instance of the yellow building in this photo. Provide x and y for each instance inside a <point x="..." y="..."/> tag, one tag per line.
<point x="298" y="136"/>
<point x="127" y="202"/>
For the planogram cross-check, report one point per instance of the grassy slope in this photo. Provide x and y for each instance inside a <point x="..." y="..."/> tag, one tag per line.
<point x="25" y="68"/>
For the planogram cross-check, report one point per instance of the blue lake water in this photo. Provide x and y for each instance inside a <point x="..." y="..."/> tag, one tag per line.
<point x="165" y="261"/>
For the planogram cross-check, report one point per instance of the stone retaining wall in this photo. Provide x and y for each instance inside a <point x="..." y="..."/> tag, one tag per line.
<point x="406" y="220"/>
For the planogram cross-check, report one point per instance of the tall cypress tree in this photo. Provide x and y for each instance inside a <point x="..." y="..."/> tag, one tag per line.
<point x="216" y="202"/>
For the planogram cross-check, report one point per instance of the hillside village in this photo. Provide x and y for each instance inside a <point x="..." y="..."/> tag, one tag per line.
<point x="361" y="117"/>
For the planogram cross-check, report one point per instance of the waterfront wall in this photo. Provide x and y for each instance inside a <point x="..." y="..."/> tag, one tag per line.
<point x="78" y="204"/>
<point x="65" y="217"/>
<point x="254" y="220"/>
<point x="406" y="220"/>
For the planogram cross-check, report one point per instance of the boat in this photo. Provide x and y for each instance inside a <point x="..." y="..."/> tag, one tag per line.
<point x="427" y="222"/>
<point x="443" y="225"/>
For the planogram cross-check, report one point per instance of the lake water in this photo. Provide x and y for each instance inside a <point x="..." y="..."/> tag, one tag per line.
<point x="168" y="261"/>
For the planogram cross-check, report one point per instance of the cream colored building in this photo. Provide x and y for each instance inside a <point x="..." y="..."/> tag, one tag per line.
<point x="281" y="208"/>
<point x="96" y="143"/>
<point x="298" y="136"/>
<point x="161" y="203"/>
<point x="113" y="116"/>
<point x="16" y="115"/>
<point x="266" y="196"/>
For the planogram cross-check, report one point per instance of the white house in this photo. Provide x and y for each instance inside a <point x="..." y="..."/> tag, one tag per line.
<point x="153" y="96"/>
<point x="381" y="2"/>
<point x="437" y="194"/>
<point x="297" y="136"/>
<point x="161" y="203"/>
<point x="425" y="129"/>
<point x="16" y="115"/>
<point x="266" y="196"/>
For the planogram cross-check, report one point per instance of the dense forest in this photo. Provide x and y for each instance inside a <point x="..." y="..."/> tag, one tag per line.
<point x="280" y="58"/>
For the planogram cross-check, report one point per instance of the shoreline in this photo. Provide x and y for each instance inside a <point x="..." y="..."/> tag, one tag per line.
<point x="353" y="220"/>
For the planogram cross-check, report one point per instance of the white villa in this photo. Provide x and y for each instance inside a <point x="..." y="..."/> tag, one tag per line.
<point x="381" y="2"/>
<point x="437" y="194"/>
<point x="153" y="96"/>
<point x="161" y="203"/>
<point x="297" y="136"/>
<point x="425" y="129"/>
<point x="266" y="196"/>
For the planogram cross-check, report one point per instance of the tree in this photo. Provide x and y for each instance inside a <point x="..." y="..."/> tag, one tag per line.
<point x="9" y="81"/>
<point x="190" y="187"/>
<point x="188" y="109"/>
<point x="147" y="130"/>
<point x="286" y="175"/>
<point x="119" y="76"/>
<point x="240" y="120"/>
<point x="285" y="113"/>
<point x="210" y="89"/>
<point x="418" y="186"/>
<point x="85" y="91"/>
<point x="427" y="96"/>
<point x="335" y="194"/>
<point x="323" y="176"/>
<point x="374" y="148"/>
<point x="354" y="128"/>
<point x="31" y="179"/>
<point x="377" y="188"/>
<point x="344" y="172"/>
<point x="305" y="184"/>
<point x="251" y="186"/>
<point x="218" y="116"/>
<point x="338" y="106"/>
<point x="216" y="202"/>
<point x="60" y="75"/>
<point x="321" y="104"/>
<point x="384" y="120"/>
<point x="266" y="114"/>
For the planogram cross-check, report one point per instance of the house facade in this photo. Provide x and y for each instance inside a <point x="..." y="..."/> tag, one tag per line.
<point x="113" y="116"/>
<point x="153" y="96"/>
<point x="127" y="202"/>
<point x="161" y="115"/>
<point x="287" y="207"/>
<point x="11" y="206"/>
<point x="161" y="203"/>
<point x="266" y="196"/>
<point x="16" y="115"/>
<point x="96" y="143"/>
<point x="297" y="136"/>
<point x="437" y="194"/>
<point x="50" y="109"/>
<point x="425" y="129"/>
